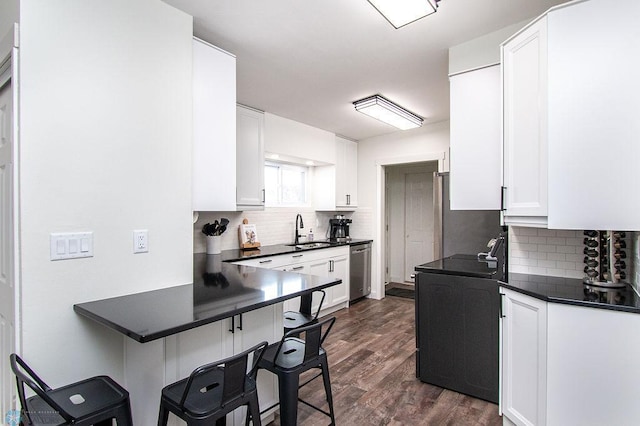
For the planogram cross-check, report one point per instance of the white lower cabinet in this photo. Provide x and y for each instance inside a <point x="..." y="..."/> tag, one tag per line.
<point x="567" y="365"/>
<point x="524" y="359"/>
<point x="329" y="262"/>
<point x="592" y="366"/>
<point x="153" y="365"/>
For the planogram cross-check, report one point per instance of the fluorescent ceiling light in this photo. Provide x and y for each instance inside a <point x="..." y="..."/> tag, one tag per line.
<point x="402" y="12"/>
<point x="386" y="111"/>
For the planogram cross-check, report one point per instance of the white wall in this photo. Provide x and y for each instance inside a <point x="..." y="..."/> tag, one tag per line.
<point x="428" y="143"/>
<point x="481" y="51"/>
<point x="105" y="146"/>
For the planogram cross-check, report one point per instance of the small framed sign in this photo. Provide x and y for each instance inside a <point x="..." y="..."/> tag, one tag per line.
<point x="248" y="235"/>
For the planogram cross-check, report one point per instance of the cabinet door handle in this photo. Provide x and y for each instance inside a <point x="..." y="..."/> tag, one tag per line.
<point x="331" y="266"/>
<point x="266" y="261"/>
<point x="233" y="324"/>
<point x="503" y="195"/>
<point x="297" y="255"/>
<point x="502" y="315"/>
<point x="348" y="199"/>
<point x="297" y="268"/>
<point x="240" y="326"/>
<point x="263" y="196"/>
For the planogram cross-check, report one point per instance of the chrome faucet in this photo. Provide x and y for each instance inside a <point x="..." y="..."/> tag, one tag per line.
<point x="297" y="239"/>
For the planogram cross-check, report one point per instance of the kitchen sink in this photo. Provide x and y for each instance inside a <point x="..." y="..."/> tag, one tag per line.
<point x="310" y="245"/>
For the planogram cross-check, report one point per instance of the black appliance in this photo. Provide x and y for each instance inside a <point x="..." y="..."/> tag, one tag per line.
<point x="339" y="228"/>
<point x="457" y="322"/>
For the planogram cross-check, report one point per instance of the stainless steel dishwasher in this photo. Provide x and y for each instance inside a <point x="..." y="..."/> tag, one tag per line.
<point x="359" y="271"/>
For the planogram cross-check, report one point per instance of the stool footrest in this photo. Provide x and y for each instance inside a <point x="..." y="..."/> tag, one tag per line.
<point x="314" y="407"/>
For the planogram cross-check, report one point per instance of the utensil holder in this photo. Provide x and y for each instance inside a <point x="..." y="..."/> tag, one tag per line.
<point x="214" y="244"/>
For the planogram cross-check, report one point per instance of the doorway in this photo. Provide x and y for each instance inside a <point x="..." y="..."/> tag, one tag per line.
<point x="409" y="220"/>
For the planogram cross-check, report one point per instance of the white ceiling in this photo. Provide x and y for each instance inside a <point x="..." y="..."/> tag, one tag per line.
<point x="309" y="60"/>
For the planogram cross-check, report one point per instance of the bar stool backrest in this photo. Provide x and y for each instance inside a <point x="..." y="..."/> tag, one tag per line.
<point x="235" y="371"/>
<point x="306" y="301"/>
<point x="313" y="338"/>
<point x="26" y="376"/>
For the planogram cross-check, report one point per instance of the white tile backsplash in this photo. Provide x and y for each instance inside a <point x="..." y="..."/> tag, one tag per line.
<point x="277" y="225"/>
<point x="559" y="253"/>
<point x="545" y="252"/>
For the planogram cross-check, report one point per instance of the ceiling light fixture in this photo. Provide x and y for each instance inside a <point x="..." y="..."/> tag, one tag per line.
<point x="386" y="111"/>
<point x="403" y="12"/>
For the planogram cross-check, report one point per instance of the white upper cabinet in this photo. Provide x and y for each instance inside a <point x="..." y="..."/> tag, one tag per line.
<point x="524" y="62"/>
<point x="346" y="173"/>
<point x="250" y="159"/>
<point x="594" y="102"/>
<point x="214" y="128"/>
<point x="570" y="118"/>
<point x="476" y="143"/>
<point x="335" y="187"/>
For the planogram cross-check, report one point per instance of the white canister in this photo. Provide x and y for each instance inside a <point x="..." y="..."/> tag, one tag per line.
<point x="213" y="244"/>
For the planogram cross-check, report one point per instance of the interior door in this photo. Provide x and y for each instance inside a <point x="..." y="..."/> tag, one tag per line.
<point x="7" y="287"/>
<point x="419" y="226"/>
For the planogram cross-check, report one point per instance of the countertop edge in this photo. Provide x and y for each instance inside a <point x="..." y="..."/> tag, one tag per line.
<point x="80" y="310"/>
<point x="582" y="303"/>
<point x="278" y="249"/>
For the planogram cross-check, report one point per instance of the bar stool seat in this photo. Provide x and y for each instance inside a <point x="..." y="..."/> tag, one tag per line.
<point x="214" y="390"/>
<point x="291" y="357"/>
<point x="87" y="402"/>
<point x="304" y="316"/>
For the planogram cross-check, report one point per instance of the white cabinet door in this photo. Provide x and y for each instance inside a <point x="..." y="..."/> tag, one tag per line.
<point x="593" y="116"/>
<point x="252" y="328"/>
<point x="339" y="268"/>
<point x="336" y="186"/>
<point x="214" y="128"/>
<point x="476" y="143"/>
<point x="524" y="359"/>
<point x="581" y="340"/>
<point x="346" y="174"/>
<point x="249" y="159"/>
<point x="524" y="61"/>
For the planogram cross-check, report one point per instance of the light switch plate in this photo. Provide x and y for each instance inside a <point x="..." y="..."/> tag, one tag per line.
<point x="71" y="245"/>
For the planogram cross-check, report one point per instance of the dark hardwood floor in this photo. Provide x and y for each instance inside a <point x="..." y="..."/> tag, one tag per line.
<point x="372" y="367"/>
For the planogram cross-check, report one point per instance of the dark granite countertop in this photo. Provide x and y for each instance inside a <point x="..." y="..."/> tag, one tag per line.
<point x="573" y="291"/>
<point x="219" y="290"/>
<point x="461" y="264"/>
<point x="276" y="249"/>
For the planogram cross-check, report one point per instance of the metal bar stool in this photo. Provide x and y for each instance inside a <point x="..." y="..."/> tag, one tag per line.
<point x="93" y="401"/>
<point x="213" y="390"/>
<point x="304" y="316"/>
<point x="291" y="357"/>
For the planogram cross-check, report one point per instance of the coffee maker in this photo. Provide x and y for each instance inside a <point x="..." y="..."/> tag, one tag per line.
<point x="339" y="228"/>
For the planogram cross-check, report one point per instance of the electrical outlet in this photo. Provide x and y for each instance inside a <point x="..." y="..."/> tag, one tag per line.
<point x="140" y="241"/>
